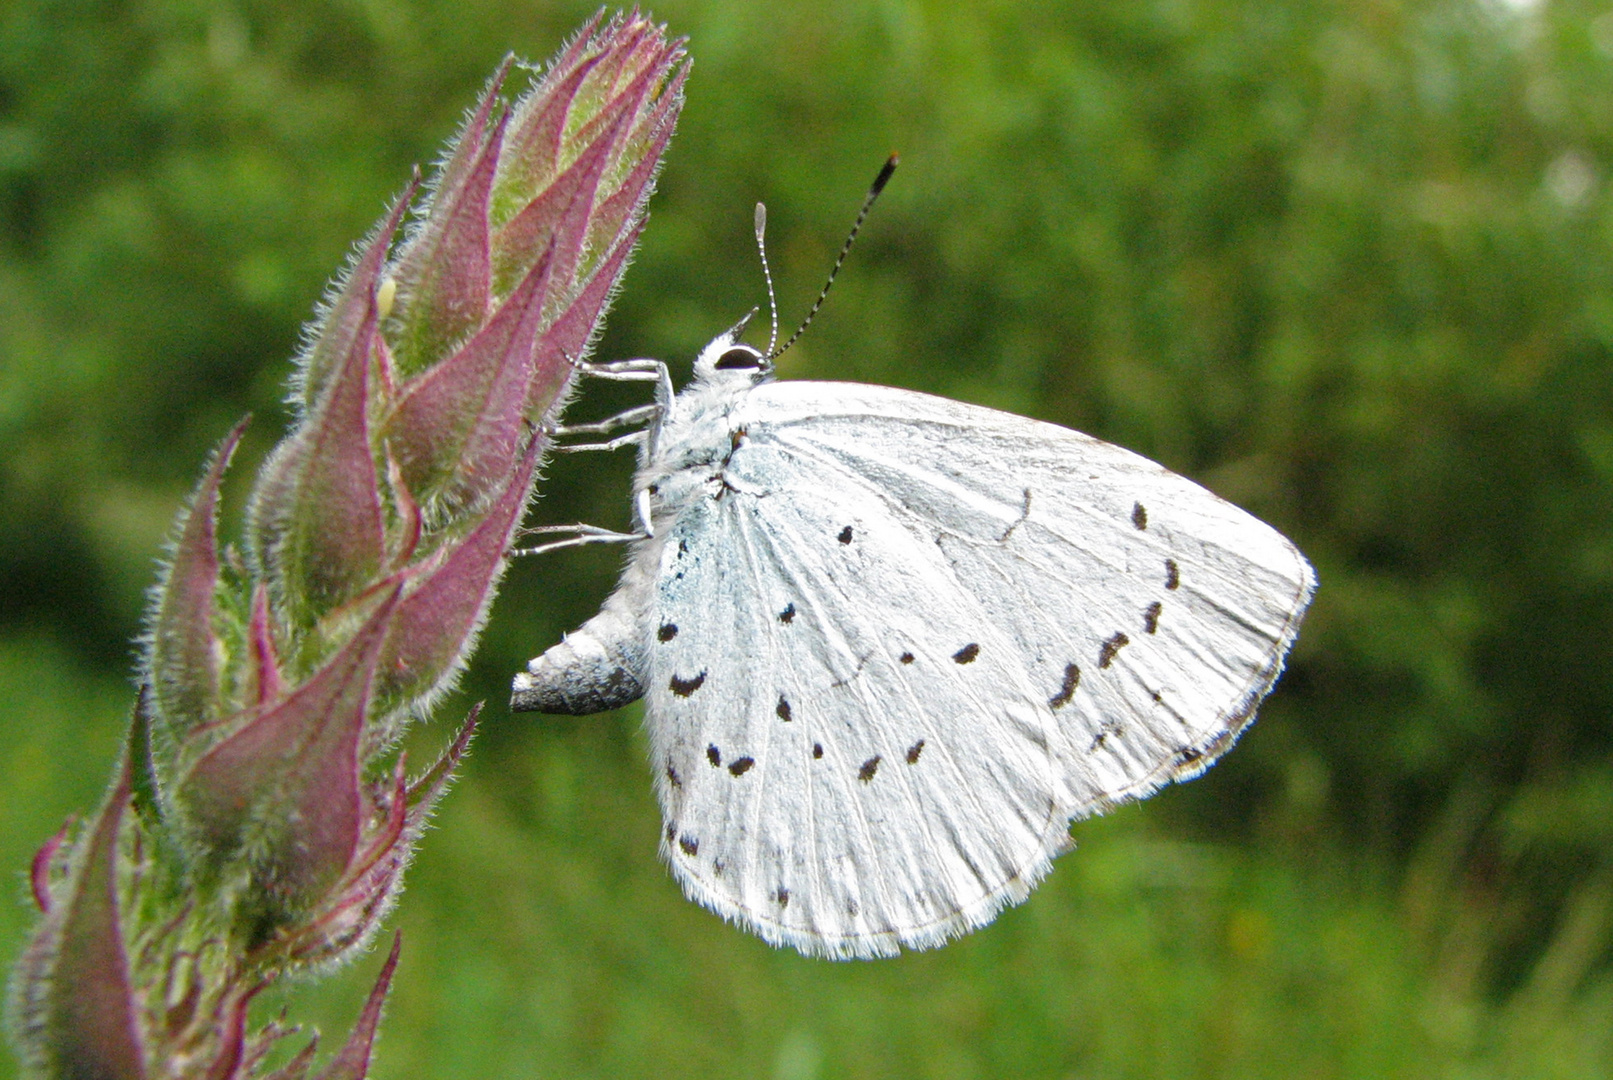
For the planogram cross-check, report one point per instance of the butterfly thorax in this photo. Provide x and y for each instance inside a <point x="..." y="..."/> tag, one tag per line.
<point x="684" y="458"/>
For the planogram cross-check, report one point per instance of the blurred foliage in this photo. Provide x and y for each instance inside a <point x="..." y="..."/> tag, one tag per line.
<point x="1348" y="263"/>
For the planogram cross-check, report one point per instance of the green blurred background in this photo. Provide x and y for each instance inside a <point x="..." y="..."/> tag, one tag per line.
<point x="1348" y="263"/>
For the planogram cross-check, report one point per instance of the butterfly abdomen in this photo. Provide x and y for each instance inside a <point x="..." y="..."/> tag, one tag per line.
<point x="597" y="667"/>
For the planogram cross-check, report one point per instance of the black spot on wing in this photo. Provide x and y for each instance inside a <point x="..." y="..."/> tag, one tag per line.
<point x="1111" y="649"/>
<point x="869" y="768"/>
<point x="1139" y="516"/>
<point x="741" y="766"/>
<point x="1173" y="576"/>
<point x="783" y="709"/>
<point x="685" y="687"/>
<point x="845" y="535"/>
<point x="914" y="751"/>
<point x="788" y="614"/>
<point x="667" y="632"/>
<point x="967" y="653"/>
<point x="1109" y="728"/>
<point x="1072" y="679"/>
<point x="907" y="658"/>
<point x="817" y="750"/>
<point x="1187" y="756"/>
<point x="714" y="756"/>
<point x="673" y="778"/>
<point x="1151" y="616"/>
<point x="781" y="896"/>
<point x="671" y="832"/>
<point x="689" y="844"/>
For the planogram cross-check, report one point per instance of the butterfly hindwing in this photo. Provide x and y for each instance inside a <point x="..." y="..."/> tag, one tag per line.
<point x="850" y="758"/>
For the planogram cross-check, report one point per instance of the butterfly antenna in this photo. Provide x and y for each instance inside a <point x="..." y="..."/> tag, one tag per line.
<point x="772" y="301"/>
<point x="873" y="193"/>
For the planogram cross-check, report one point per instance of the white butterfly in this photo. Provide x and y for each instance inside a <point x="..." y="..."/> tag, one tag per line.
<point x="892" y="644"/>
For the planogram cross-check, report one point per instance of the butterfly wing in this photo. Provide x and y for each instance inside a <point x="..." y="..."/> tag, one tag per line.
<point x="838" y="773"/>
<point x="907" y="639"/>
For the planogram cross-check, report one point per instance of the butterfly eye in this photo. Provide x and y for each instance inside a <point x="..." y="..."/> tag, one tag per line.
<point x="739" y="358"/>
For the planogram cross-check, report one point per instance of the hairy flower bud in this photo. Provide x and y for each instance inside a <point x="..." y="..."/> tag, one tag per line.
<point x="258" y="826"/>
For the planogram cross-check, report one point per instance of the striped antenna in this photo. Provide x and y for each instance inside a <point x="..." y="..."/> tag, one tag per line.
<point x="873" y="193"/>
<point x="772" y="301"/>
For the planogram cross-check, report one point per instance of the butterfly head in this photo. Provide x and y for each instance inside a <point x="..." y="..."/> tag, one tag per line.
<point x="727" y="361"/>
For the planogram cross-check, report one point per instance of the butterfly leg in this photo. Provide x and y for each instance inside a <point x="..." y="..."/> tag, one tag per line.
<point x="628" y="417"/>
<point x="643" y="369"/>
<point x="581" y="534"/>
<point x="630" y="439"/>
<point x="640" y="370"/>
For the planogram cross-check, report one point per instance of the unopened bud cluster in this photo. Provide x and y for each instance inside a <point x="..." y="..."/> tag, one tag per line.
<point x="262" y="818"/>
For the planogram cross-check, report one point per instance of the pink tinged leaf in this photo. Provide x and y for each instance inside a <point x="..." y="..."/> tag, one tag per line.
<point x="532" y="146"/>
<point x="265" y="658"/>
<point x="355" y="911"/>
<point x="77" y="1010"/>
<point x="443" y="274"/>
<point x="345" y="318"/>
<point x="370" y="870"/>
<point x="184" y="646"/>
<point x="438" y="618"/>
<point x="317" y="512"/>
<point x="183" y="1011"/>
<point x="626" y="204"/>
<point x="424" y="791"/>
<point x="619" y="47"/>
<point x="568" y="339"/>
<point x="621" y="100"/>
<point x="297" y="1068"/>
<point x="470" y="145"/>
<point x="406" y="533"/>
<point x="44" y="861"/>
<point x="556" y="221"/>
<point x="634" y="63"/>
<point x="352" y="1062"/>
<point x="373" y="880"/>
<point x="535" y="149"/>
<point x="385" y="372"/>
<point x="577" y="47"/>
<point x="285" y="790"/>
<point x="230" y="1054"/>
<point x="145" y="788"/>
<point x="457" y="428"/>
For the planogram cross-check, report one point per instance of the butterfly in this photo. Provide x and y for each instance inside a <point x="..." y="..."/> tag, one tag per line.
<point x="891" y="645"/>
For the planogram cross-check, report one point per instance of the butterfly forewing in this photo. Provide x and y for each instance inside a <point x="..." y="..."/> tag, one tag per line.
<point x="1149" y="615"/>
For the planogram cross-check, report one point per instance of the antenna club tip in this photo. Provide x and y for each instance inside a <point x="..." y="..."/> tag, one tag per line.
<point x="885" y="174"/>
